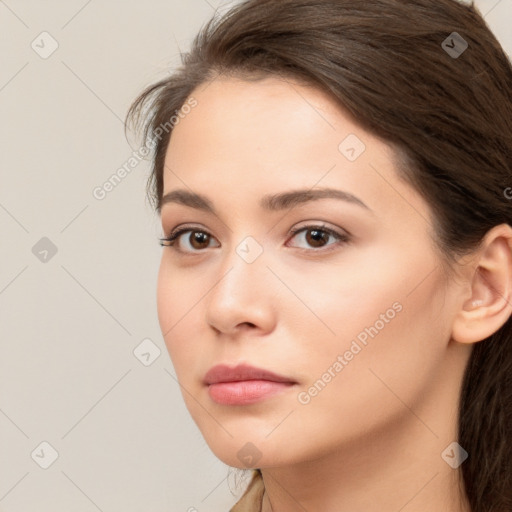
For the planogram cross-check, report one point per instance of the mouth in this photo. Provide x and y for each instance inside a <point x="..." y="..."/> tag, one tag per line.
<point x="244" y="384"/>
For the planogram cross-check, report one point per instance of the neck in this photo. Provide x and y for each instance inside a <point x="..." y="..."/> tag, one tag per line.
<point x="376" y="476"/>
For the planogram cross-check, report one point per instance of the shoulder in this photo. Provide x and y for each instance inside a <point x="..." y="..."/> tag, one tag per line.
<point x="252" y="497"/>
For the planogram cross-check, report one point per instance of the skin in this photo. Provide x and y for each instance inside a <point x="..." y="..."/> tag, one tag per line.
<point x="372" y="438"/>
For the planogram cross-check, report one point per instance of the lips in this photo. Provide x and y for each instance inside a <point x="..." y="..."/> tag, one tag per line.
<point x="244" y="385"/>
<point x="242" y="372"/>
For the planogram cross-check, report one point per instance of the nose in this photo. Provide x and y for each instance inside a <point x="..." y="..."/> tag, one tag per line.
<point x="243" y="297"/>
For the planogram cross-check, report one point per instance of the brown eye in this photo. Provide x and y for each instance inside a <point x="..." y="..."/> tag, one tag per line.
<point x="196" y="241"/>
<point x="317" y="237"/>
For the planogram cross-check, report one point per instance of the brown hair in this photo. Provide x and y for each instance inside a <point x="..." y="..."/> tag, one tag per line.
<point x="448" y="117"/>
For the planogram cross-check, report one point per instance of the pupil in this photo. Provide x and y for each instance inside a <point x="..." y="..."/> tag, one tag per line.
<point x="200" y="237"/>
<point x="317" y="235"/>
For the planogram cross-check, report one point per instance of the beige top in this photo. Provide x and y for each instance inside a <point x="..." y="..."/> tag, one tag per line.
<point x="253" y="496"/>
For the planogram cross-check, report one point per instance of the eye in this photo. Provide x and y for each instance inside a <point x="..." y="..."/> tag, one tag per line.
<point x="317" y="236"/>
<point x="197" y="239"/>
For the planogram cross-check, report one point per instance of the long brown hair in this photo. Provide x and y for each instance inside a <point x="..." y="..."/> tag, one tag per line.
<point x="443" y="101"/>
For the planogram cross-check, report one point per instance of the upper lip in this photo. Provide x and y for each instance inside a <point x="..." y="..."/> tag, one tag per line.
<point x="225" y="373"/>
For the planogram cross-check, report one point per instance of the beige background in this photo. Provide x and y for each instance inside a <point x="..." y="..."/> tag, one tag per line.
<point x="70" y="321"/>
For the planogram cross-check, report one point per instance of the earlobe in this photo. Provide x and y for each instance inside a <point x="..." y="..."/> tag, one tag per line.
<point x="490" y="304"/>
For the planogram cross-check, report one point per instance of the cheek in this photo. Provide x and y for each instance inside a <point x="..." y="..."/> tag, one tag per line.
<point x="175" y="306"/>
<point x="366" y="289"/>
<point x="166" y="299"/>
<point x="177" y="295"/>
<point x="390" y="339"/>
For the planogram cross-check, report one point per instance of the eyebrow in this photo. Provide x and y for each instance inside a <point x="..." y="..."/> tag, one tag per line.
<point x="270" y="202"/>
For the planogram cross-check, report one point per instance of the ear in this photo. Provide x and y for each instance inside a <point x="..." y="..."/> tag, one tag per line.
<point x="490" y="277"/>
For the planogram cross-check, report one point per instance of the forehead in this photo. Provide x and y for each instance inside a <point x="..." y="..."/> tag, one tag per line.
<point x="258" y="126"/>
<point x="260" y="110"/>
<point x="270" y="135"/>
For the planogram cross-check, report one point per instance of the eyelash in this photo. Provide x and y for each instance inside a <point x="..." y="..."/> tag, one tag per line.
<point x="341" y="238"/>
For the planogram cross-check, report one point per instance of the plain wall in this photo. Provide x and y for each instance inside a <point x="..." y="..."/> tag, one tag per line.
<point x="78" y="271"/>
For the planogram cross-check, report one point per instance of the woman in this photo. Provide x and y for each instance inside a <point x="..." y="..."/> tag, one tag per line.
<point x="335" y="289"/>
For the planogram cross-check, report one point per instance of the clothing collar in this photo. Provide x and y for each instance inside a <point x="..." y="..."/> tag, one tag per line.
<point x="251" y="500"/>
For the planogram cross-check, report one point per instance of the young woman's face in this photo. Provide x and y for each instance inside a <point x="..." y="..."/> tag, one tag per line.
<point x="352" y="309"/>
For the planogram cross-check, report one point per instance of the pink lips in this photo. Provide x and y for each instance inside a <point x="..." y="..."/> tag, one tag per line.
<point x="243" y="384"/>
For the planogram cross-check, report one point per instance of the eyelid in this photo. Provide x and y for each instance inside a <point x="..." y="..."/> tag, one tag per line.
<point x="321" y="225"/>
<point x="343" y="237"/>
<point x="180" y="230"/>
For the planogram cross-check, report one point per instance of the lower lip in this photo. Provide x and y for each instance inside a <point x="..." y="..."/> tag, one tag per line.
<point x="245" y="391"/>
